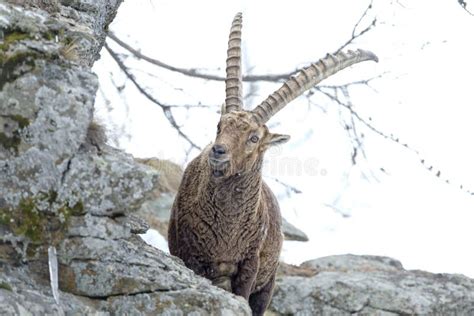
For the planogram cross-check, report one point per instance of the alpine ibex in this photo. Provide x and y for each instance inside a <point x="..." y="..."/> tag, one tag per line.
<point x="225" y="222"/>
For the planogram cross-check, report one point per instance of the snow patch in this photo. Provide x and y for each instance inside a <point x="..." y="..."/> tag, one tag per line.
<point x="155" y="239"/>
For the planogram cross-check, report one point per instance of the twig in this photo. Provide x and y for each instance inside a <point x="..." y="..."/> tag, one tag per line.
<point x="286" y="185"/>
<point x="355" y="35"/>
<point x="400" y="4"/>
<point x="338" y="210"/>
<point x="365" y="82"/>
<point x="357" y="142"/>
<point x="363" y="121"/>
<point x="166" y="108"/>
<point x="191" y="106"/>
<point x="464" y="6"/>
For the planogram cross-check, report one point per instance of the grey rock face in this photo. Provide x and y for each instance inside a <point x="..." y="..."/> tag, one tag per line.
<point x="291" y="232"/>
<point x="60" y="188"/>
<point x="107" y="184"/>
<point x="370" y="285"/>
<point x="21" y="295"/>
<point x="201" y="300"/>
<point x="129" y="277"/>
<point x="47" y="95"/>
<point x="354" y="263"/>
<point x="151" y="284"/>
<point x="157" y="207"/>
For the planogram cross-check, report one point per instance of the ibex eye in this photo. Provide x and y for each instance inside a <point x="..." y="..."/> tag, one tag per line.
<point x="254" y="139"/>
<point x="218" y="128"/>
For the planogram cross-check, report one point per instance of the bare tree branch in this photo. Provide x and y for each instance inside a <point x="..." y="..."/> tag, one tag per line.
<point x="463" y="4"/>
<point x="365" y="122"/>
<point x="194" y="72"/>
<point x="166" y="108"/>
<point x="355" y="34"/>
<point x="390" y="137"/>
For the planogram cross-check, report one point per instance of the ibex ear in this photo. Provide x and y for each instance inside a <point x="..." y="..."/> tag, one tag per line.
<point x="277" y="139"/>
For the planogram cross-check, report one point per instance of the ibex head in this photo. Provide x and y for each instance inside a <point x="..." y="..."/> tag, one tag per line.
<point x="242" y="136"/>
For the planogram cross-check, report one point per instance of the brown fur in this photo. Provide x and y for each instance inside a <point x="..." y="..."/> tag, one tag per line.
<point x="228" y="227"/>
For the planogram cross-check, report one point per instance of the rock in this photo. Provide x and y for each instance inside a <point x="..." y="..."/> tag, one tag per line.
<point x="171" y="174"/>
<point x="201" y="300"/>
<point x="353" y="263"/>
<point x="107" y="184"/>
<point x="133" y="277"/>
<point x="157" y="208"/>
<point x="46" y="96"/>
<point x="137" y="225"/>
<point x="22" y="295"/>
<point x="370" y="285"/>
<point x="178" y="291"/>
<point x="292" y="233"/>
<point x="285" y="269"/>
<point x="47" y="173"/>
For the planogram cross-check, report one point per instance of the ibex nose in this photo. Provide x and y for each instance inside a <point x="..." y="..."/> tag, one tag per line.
<point x="218" y="150"/>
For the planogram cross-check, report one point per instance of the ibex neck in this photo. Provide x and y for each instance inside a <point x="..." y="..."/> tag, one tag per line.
<point x="237" y="194"/>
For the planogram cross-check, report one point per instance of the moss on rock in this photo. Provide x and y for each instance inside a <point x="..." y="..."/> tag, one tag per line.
<point x="27" y="221"/>
<point x="11" y="37"/>
<point x="40" y="226"/>
<point x="10" y="143"/>
<point x="5" y="286"/>
<point x="14" y="65"/>
<point x="13" y="141"/>
<point x="21" y="120"/>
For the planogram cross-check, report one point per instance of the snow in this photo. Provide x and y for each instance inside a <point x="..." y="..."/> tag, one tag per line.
<point x="387" y="204"/>
<point x="155" y="239"/>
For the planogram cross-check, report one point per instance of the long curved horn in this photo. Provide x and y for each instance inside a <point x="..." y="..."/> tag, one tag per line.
<point x="233" y="81"/>
<point x="307" y="78"/>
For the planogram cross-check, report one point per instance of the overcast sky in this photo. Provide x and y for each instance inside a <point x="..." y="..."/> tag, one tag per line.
<point x="388" y="204"/>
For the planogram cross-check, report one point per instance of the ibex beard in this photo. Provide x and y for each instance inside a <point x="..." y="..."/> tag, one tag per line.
<point x="225" y="222"/>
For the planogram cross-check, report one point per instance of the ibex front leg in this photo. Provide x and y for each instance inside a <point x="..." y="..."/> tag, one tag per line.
<point x="246" y="275"/>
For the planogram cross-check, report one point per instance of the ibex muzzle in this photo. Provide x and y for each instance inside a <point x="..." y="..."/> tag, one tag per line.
<point x="219" y="160"/>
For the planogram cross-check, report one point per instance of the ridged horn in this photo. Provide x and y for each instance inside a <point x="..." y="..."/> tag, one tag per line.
<point x="307" y="78"/>
<point x="233" y="81"/>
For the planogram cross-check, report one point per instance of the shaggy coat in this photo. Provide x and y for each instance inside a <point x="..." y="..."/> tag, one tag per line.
<point x="228" y="231"/>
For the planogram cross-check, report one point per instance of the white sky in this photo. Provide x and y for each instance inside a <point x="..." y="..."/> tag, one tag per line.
<point x="424" y="98"/>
